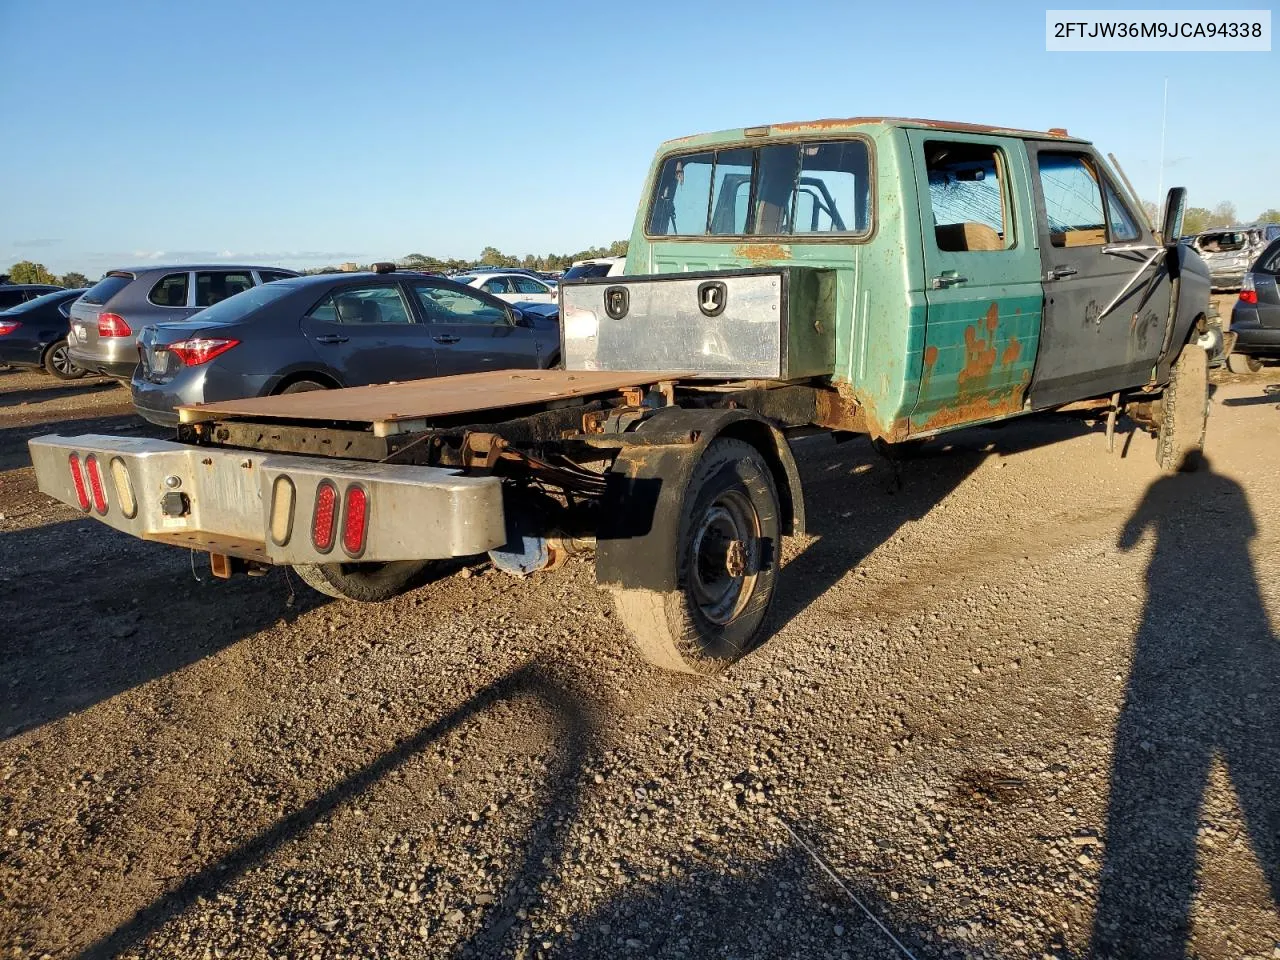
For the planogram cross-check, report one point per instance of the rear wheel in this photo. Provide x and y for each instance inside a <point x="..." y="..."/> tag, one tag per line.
<point x="727" y="551"/>
<point x="1184" y="411"/>
<point x="302" y="386"/>
<point x="364" y="582"/>
<point x="1242" y="363"/>
<point x="57" y="361"/>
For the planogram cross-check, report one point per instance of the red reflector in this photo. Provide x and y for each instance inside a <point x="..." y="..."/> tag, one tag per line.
<point x="8" y="326"/>
<point x="354" y="520"/>
<point x="77" y="477"/>
<point x="1248" y="296"/>
<point x="113" y="325"/>
<point x="95" y="484"/>
<point x="325" y="518"/>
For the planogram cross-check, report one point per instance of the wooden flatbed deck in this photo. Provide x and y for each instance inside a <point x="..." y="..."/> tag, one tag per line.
<point x="393" y="408"/>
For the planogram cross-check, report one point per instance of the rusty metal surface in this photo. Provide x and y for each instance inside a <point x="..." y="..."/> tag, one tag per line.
<point x="979" y="396"/>
<point x="212" y="543"/>
<point x="839" y="124"/>
<point x="426" y="399"/>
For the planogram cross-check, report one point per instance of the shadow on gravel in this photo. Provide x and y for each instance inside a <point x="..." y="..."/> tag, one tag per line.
<point x="752" y="912"/>
<point x="1204" y="684"/>
<point x="91" y="612"/>
<point x="59" y="389"/>
<point x="857" y="499"/>
<point x="13" y="438"/>
<point x="574" y="735"/>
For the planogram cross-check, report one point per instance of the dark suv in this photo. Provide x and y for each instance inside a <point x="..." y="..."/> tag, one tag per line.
<point x="106" y="321"/>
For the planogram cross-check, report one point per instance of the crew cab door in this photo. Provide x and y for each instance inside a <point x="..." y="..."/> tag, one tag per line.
<point x="1093" y="248"/>
<point x="981" y="278"/>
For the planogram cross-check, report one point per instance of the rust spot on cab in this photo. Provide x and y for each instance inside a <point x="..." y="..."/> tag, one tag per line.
<point x="930" y="355"/>
<point x="1012" y="350"/>
<point x="977" y="400"/>
<point x="762" y="251"/>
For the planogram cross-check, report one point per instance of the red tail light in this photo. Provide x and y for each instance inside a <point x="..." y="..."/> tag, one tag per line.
<point x="200" y="350"/>
<point x="1248" y="296"/>
<point x="77" y="477"/>
<point x="113" y="325"/>
<point x="355" y="520"/>
<point x="324" y="521"/>
<point x="8" y="326"/>
<point x="95" y="484"/>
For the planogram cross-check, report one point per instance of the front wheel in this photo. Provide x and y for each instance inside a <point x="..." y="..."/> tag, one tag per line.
<point x="57" y="361"/>
<point x="1243" y="363"/>
<point x="1184" y="411"/>
<point x="726" y="558"/>
<point x="364" y="582"/>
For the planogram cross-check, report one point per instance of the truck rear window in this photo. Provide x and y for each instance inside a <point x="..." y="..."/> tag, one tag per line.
<point x="773" y="190"/>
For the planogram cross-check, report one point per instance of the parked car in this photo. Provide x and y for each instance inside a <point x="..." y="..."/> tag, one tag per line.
<point x="12" y="294"/>
<point x="105" y="322"/>
<point x="511" y="286"/>
<point x="334" y="330"/>
<point x="1228" y="251"/>
<point x="596" y="267"/>
<point x="34" y="334"/>
<point x="1255" y="318"/>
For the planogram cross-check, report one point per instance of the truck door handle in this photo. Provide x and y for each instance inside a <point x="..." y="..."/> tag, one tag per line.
<point x="1061" y="273"/>
<point x="331" y="338"/>
<point x="948" y="280"/>
<point x="446" y="338"/>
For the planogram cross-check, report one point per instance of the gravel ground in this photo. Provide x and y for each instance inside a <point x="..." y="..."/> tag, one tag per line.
<point x="1022" y="699"/>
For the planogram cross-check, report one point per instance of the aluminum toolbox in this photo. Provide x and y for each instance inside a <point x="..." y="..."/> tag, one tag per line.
<point x="770" y="323"/>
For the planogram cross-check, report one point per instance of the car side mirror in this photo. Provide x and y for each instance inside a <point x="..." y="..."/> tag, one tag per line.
<point x="1175" y="208"/>
<point x="518" y="319"/>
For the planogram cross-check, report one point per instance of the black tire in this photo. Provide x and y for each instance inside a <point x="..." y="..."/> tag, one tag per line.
<point x="302" y="386"/>
<point x="728" y="520"/>
<point x="1243" y="363"/>
<point x="57" y="361"/>
<point x="364" y="582"/>
<point x="1184" y="412"/>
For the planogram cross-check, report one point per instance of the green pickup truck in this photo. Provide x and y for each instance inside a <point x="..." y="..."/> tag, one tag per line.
<point x="898" y="278"/>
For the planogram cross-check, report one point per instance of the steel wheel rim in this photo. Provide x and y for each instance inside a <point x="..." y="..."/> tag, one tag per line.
<point x="724" y="558"/>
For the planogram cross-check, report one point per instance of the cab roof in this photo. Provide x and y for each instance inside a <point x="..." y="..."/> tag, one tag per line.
<point x="848" y="124"/>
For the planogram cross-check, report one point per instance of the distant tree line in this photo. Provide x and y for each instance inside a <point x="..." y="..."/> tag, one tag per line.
<point x="1199" y="219"/>
<point x="24" y="271"/>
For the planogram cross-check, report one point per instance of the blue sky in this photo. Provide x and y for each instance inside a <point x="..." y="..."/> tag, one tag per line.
<point x="311" y="133"/>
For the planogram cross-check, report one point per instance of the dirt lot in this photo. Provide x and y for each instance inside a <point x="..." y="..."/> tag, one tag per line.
<point x="1023" y="698"/>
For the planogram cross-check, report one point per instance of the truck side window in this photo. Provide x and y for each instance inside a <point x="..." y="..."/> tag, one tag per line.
<point x="1072" y="201"/>
<point x="1123" y="226"/>
<point x="967" y="195"/>
<point x="680" y="204"/>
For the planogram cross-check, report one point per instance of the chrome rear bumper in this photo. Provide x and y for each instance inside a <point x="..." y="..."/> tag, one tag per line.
<point x="264" y="506"/>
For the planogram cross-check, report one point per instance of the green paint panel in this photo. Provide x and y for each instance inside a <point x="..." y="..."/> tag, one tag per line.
<point x="889" y="320"/>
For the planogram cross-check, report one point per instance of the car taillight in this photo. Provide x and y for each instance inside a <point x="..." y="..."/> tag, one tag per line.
<point x="8" y="326"/>
<point x="1248" y="289"/>
<point x="113" y="325"/>
<point x="325" y="518"/>
<point x="77" y="478"/>
<point x="354" y="520"/>
<point x="200" y="350"/>
<point x="95" y="484"/>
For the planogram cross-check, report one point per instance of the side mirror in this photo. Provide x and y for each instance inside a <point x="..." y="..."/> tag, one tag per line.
<point x="518" y="319"/>
<point x="1175" y="207"/>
